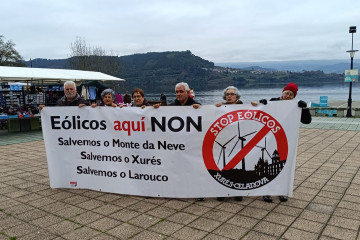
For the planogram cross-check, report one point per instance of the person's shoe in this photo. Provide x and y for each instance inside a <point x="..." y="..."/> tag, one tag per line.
<point x="267" y="199"/>
<point x="239" y="198"/>
<point x="200" y="199"/>
<point x="221" y="199"/>
<point x="283" y="198"/>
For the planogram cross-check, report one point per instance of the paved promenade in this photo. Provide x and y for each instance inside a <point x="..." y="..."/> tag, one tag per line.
<point x="325" y="205"/>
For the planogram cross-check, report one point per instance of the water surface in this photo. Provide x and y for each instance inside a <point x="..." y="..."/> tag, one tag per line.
<point x="307" y="93"/>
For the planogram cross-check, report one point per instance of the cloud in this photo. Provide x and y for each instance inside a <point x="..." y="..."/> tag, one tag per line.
<point x="219" y="31"/>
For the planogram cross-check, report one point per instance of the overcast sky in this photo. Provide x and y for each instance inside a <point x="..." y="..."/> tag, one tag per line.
<point x="218" y="31"/>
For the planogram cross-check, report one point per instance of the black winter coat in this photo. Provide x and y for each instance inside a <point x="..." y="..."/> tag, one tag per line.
<point x="77" y="100"/>
<point x="189" y="102"/>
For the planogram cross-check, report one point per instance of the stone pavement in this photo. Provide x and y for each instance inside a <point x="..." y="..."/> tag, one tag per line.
<point x="325" y="205"/>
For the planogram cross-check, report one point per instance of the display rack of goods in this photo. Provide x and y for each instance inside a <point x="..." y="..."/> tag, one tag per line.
<point x="11" y="95"/>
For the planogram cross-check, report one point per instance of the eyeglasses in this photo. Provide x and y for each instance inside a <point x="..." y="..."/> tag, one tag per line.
<point x="137" y="96"/>
<point x="230" y="94"/>
<point x="288" y="93"/>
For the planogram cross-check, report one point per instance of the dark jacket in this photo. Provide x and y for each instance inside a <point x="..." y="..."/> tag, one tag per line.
<point x="145" y="103"/>
<point x="305" y="113"/>
<point x="127" y="98"/>
<point x="103" y="105"/>
<point x="77" y="100"/>
<point x="189" y="102"/>
<point x="237" y="102"/>
<point x="162" y="98"/>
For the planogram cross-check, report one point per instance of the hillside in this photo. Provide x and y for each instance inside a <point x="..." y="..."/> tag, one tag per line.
<point x="327" y="66"/>
<point x="163" y="70"/>
<point x="160" y="71"/>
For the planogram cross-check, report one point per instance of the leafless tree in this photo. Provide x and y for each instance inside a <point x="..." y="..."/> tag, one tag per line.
<point x="8" y="54"/>
<point x="85" y="57"/>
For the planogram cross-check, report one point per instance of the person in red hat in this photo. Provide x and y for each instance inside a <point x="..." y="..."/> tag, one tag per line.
<point x="289" y="92"/>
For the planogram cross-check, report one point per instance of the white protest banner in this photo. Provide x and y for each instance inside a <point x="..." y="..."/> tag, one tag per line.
<point x="232" y="150"/>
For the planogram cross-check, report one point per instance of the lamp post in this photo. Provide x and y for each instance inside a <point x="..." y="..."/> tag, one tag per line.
<point x="352" y="30"/>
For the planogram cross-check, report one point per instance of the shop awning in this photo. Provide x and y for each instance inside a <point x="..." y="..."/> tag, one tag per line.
<point x="51" y="75"/>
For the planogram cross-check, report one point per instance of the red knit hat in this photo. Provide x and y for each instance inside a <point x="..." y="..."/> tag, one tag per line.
<point x="292" y="87"/>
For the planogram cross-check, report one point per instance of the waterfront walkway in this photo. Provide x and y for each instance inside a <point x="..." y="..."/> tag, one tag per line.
<point x="325" y="205"/>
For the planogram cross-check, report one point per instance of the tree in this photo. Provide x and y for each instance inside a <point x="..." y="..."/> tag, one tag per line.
<point x="85" y="57"/>
<point x="80" y="53"/>
<point x="8" y="55"/>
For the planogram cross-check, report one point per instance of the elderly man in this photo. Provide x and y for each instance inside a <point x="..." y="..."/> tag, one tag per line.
<point x="183" y="98"/>
<point x="182" y="91"/>
<point x="71" y="97"/>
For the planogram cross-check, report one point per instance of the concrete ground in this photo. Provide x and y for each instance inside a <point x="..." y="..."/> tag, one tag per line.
<point x="326" y="202"/>
<point x="342" y="103"/>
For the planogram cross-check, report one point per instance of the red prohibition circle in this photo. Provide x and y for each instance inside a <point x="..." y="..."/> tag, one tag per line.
<point x="270" y="124"/>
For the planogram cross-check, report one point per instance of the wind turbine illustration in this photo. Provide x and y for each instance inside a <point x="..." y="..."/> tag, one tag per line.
<point x="243" y="139"/>
<point x="264" y="149"/>
<point x="223" y="147"/>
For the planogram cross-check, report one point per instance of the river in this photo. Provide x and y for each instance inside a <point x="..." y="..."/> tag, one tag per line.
<point x="306" y="93"/>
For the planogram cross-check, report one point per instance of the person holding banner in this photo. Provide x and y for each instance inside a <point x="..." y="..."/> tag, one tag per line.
<point x="182" y="91"/>
<point x="139" y="98"/>
<point x="232" y="96"/>
<point x="289" y="93"/>
<point x="70" y="98"/>
<point x="107" y="98"/>
<point x="183" y="98"/>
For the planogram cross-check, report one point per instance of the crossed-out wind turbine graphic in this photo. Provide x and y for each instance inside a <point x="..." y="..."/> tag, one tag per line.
<point x="244" y="143"/>
<point x="223" y="147"/>
<point x="262" y="151"/>
<point x="223" y="150"/>
<point x="243" y="139"/>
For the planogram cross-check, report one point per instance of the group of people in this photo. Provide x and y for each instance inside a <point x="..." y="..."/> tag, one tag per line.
<point x="184" y="97"/>
<point x="72" y="98"/>
<point x="108" y="99"/>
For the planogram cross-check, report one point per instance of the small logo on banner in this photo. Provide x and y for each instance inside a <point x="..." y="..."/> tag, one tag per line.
<point x="245" y="149"/>
<point x="73" y="184"/>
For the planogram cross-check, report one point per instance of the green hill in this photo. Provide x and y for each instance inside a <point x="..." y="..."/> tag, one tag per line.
<point x="160" y="71"/>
